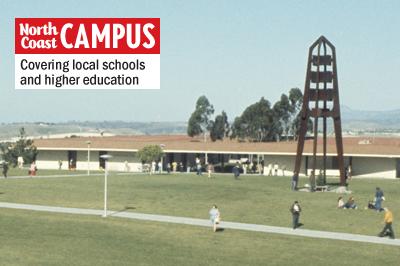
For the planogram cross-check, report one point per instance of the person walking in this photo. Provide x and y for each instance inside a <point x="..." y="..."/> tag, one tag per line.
<point x="71" y="164"/>
<point x="32" y="169"/>
<point x="168" y="168"/>
<point x="153" y="167"/>
<point x="283" y="170"/>
<point x="378" y="199"/>
<point x="126" y="165"/>
<point x="210" y="169"/>
<point x="5" y="169"/>
<point x="312" y="181"/>
<point x="346" y="174"/>
<point x="276" y="167"/>
<point x="349" y="173"/>
<point x="198" y="167"/>
<point x="295" y="179"/>
<point x="20" y="161"/>
<point x="215" y="217"/>
<point x="388" y="220"/>
<point x="270" y="169"/>
<point x="295" y="210"/>
<point x="236" y="171"/>
<point x="159" y="167"/>
<point x="174" y="166"/>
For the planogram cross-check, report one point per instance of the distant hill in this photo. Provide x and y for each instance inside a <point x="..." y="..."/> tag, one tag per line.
<point x="370" y="120"/>
<point x="353" y="122"/>
<point x="46" y="130"/>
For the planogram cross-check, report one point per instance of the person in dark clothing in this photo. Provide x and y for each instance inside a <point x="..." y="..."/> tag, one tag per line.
<point x="168" y="168"/>
<point x="5" y="169"/>
<point x="236" y="171"/>
<point x="295" y="179"/>
<point x="295" y="209"/>
<point x="378" y="199"/>
<point x="371" y="205"/>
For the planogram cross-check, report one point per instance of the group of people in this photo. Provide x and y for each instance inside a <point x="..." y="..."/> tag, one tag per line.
<point x="156" y="167"/>
<point x="174" y="167"/>
<point x="253" y="167"/>
<point x="273" y="169"/>
<point x="376" y="204"/>
<point x="31" y="172"/>
<point x="350" y="204"/>
<point x="295" y="209"/>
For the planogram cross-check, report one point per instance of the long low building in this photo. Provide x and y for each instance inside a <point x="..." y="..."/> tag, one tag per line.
<point x="368" y="157"/>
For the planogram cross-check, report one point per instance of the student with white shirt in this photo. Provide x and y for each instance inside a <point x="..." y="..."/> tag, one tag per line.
<point x="215" y="217"/>
<point x="295" y="210"/>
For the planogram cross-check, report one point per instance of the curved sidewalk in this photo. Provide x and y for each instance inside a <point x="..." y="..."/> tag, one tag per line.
<point x="204" y="222"/>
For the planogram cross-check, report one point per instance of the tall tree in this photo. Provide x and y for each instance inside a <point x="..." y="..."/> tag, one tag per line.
<point x="296" y="102"/>
<point x="260" y="122"/>
<point x="282" y="113"/>
<point x="23" y="147"/>
<point x="296" y="99"/>
<point x="199" y="122"/>
<point x="255" y="123"/>
<point x="220" y="127"/>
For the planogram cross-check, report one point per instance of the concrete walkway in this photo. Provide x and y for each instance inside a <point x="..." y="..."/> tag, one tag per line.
<point x="204" y="222"/>
<point x="49" y="176"/>
<point x="65" y="175"/>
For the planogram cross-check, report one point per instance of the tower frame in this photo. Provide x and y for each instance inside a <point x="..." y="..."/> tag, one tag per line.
<point x="321" y="87"/>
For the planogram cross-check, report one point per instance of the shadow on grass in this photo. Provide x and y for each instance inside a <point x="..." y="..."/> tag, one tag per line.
<point x="124" y="209"/>
<point x="336" y="184"/>
<point x="220" y="229"/>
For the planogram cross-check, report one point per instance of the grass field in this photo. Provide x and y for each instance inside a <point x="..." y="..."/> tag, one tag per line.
<point x="82" y="240"/>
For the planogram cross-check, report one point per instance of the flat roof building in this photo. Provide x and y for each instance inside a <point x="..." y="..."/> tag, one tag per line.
<point x="368" y="157"/>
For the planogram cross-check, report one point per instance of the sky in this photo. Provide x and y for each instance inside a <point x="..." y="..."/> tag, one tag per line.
<point x="233" y="52"/>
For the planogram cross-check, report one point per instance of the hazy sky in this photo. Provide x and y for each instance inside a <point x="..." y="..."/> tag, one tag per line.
<point x="234" y="52"/>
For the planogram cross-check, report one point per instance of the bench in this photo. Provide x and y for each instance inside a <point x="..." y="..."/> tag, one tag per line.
<point x="321" y="188"/>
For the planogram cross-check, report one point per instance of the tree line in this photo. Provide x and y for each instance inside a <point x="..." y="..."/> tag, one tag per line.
<point x="259" y="122"/>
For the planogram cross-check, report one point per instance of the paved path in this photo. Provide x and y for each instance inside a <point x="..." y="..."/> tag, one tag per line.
<point x="64" y="175"/>
<point x="164" y="173"/>
<point x="204" y="222"/>
<point x="50" y="176"/>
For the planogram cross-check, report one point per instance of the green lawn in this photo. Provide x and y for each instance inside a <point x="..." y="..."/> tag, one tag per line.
<point x="253" y="199"/>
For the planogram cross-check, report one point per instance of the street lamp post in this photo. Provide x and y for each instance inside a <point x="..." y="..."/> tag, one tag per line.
<point x="105" y="157"/>
<point x="88" y="156"/>
<point x="162" y="157"/>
